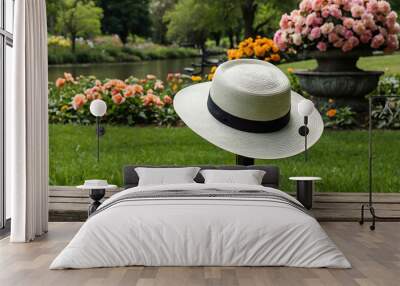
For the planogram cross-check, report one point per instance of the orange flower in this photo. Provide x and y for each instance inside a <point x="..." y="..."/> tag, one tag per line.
<point x="93" y="93"/>
<point x="149" y="99"/>
<point x="78" y="101"/>
<point x="196" y="78"/>
<point x="60" y="82"/>
<point x="158" y="85"/>
<point x="158" y="101"/>
<point x="89" y="94"/>
<point x="115" y="91"/>
<point x="248" y="51"/>
<point x="167" y="100"/>
<point x="170" y="76"/>
<point x="234" y="54"/>
<point x="331" y="113"/>
<point x="118" y="99"/>
<point x="132" y="90"/>
<point x="275" y="48"/>
<point x="290" y="70"/>
<point x="128" y="92"/>
<point x="68" y="77"/>
<point x="275" y="57"/>
<point x="259" y="51"/>
<point x="115" y="83"/>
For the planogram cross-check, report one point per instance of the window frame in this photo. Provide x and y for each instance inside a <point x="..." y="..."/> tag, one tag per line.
<point x="6" y="39"/>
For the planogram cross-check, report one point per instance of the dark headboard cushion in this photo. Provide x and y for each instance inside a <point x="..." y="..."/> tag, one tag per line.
<point x="271" y="177"/>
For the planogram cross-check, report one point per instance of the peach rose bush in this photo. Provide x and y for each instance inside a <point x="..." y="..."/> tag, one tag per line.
<point x="339" y="24"/>
<point x="130" y="102"/>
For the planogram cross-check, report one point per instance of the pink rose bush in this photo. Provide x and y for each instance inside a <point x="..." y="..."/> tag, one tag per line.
<point x="339" y="24"/>
<point x="131" y="101"/>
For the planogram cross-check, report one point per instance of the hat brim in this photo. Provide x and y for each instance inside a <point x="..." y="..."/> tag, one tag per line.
<point x="190" y="104"/>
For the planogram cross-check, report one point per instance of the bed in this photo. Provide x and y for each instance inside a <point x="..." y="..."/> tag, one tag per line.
<point x="198" y="224"/>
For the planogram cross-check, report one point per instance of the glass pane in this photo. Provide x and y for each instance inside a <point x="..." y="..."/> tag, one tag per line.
<point x="8" y="69"/>
<point x="9" y="9"/>
<point x="1" y="14"/>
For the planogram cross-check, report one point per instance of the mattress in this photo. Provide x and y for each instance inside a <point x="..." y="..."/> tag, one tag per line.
<point x="201" y="225"/>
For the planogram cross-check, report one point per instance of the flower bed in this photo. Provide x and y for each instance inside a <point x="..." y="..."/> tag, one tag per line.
<point x="129" y="102"/>
<point x="149" y="101"/>
<point x="258" y="48"/>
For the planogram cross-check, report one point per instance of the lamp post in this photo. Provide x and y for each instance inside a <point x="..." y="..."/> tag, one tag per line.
<point x="98" y="108"/>
<point x="305" y="108"/>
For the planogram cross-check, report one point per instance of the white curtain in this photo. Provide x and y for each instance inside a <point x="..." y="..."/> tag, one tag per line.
<point x="27" y="124"/>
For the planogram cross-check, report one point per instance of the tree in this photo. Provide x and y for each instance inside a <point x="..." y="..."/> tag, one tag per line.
<point x="190" y="21"/>
<point x="79" y="18"/>
<point x="267" y="19"/>
<point x="227" y="19"/>
<point x="158" y="8"/>
<point x="53" y="8"/>
<point x="124" y="17"/>
<point x="250" y="8"/>
<point x="395" y="4"/>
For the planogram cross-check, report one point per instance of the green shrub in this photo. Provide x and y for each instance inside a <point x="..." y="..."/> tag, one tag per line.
<point x="106" y="51"/>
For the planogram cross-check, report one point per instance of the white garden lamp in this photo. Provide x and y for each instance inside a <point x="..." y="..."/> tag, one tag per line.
<point x="305" y="108"/>
<point x="98" y="108"/>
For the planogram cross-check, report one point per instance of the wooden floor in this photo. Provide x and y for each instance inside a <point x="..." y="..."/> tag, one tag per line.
<point x="70" y="204"/>
<point x="375" y="256"/>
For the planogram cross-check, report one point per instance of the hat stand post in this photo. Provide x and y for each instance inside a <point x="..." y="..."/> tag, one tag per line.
<point x="100" y="131"/>
<point x="370" y="204"/>
<point x="303" y="131"/>
<point x="244" y="161"/>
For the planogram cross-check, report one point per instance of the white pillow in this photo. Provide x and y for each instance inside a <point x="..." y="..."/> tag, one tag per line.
<point x="166" y="176"/>
<point x="248" y="177"/>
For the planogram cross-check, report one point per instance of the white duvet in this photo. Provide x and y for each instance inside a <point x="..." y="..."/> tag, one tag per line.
<point x="200" y="231"/>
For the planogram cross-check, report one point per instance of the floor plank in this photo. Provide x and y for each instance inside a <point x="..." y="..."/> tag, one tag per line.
<point x="375" y="257"/>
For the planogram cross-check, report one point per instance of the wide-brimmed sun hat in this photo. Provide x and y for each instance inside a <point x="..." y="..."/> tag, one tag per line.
<point x="248" y="109"/>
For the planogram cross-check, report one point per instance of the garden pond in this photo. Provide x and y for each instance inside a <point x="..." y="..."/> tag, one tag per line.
<point x="159" y="68"/>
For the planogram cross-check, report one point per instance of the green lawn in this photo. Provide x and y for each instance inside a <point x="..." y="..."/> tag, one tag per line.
<point x="340" y="157"/>
<point x="390" y="64"/>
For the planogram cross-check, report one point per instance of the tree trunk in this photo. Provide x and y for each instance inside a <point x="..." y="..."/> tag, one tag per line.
<point x="123" y="37"/>
<point x="231" y="40"/>
<point x="73" y="43"/>
<point x="217" y="39"/>
<point x="237" y="37"/>
<point x="249" y="9"/>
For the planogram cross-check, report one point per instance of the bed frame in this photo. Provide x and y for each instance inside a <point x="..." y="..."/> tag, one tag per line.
<point x="271" y="177"/>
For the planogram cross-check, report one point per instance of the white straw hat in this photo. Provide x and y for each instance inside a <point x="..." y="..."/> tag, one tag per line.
<point x="248" y="109"/>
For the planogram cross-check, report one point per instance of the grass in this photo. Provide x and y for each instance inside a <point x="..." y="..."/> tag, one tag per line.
<point x="389" y="63"/>
<point x="340" y="157"/>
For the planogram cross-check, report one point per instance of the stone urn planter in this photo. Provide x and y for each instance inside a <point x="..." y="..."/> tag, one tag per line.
<point x="338" y="77"/>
